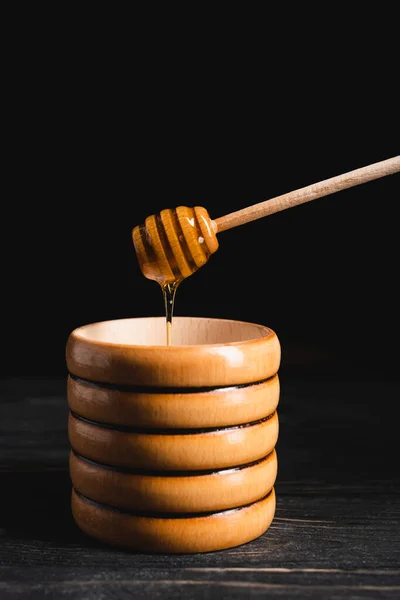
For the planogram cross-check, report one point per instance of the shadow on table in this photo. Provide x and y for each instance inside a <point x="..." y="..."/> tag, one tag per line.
<point x="36" y="504"/>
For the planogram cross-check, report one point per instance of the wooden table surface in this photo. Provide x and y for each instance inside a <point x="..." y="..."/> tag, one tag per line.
<point x="336" y="532"/>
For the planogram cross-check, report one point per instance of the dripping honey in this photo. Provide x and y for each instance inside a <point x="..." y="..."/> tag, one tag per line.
<point x="170" y="247"/>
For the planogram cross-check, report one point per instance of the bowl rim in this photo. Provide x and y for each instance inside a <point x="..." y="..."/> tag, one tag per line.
<point x="269" y="333"/>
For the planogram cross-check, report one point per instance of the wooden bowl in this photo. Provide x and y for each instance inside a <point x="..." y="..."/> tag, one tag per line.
<point x="170" y="443"/>
<point x="170" y="491"/>
<point x="206" y="353"/>
<point x="174" y="449"/>
<point x="146" y="407"/>
<point x="187" y="533"/>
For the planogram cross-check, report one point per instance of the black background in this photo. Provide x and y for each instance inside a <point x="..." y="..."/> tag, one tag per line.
<point x="100" y="140"/>
<point x="323" y="275"/>
<point x="108" y="117"/>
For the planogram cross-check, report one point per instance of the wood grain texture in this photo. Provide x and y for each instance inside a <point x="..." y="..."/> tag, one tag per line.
<point x="174" y="244"/>
<point x="218" y="449"/>
<point x="177" y="535"/>
<point x="206" y="352"/>
<point x="160" y="409"/>
<point x="193" y="492"/>
<point x="310" y="192"/>
<point x="335" y="533"/>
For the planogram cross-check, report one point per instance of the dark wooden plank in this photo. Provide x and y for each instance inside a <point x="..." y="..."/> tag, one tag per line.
<point x="335" y="533"/>
<point x="310" y="531"/>
<point x="159" y="586"/>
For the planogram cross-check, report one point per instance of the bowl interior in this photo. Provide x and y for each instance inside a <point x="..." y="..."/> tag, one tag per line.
<point x="186" y="331"/>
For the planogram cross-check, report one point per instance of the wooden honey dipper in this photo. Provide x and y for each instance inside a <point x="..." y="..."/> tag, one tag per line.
<point x="175" y="243"/>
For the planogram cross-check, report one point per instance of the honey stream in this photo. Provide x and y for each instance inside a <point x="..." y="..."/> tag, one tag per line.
<point x="170" y="247"/>
<point x="169" y="291"/>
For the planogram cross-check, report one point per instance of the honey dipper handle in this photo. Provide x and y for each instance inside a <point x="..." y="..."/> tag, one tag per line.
<point x="311" y="192"/>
